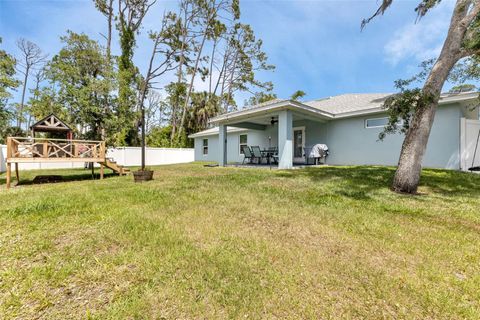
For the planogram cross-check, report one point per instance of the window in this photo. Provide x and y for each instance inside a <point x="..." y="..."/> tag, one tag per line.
<point x="376" y="123"/>
<point x="243" y="142"/>
<point x="205" y="146"/>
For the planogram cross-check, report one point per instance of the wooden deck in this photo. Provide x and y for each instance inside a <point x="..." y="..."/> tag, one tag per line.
<point x="51" y="150"/>
<point x="21" y="150"/>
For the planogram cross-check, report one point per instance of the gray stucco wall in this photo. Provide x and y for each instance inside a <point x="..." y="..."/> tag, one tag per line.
<point x="350" y="143"/>
<point x="254" y="138"/>
<point x="315" y="132"/>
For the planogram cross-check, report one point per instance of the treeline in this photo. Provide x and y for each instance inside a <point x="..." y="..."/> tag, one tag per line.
<point x="101" y="94"/>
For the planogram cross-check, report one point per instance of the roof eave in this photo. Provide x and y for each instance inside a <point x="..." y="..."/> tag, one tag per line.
<point x="213" y="133"/>
<point x="278" y="106"/>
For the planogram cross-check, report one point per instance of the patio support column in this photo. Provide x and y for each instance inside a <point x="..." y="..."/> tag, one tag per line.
<point x="222" y="145"/>
<point x="285" y="140"/>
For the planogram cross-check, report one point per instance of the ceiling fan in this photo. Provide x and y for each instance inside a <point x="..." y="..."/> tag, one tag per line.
<point x="273" y="121"/>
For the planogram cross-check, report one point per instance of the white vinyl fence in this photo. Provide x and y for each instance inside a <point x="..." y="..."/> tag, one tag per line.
<point x="469" y="141"/>
<point x="132" y="156"/>
<point x="125" y="156"/>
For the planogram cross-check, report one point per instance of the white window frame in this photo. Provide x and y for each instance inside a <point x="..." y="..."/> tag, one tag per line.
<point x="204" y="146"/>
<point x="240" y="144"/>
<point x="373" y="127"/>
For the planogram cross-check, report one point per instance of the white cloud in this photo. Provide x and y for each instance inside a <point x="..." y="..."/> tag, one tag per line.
<point x="420" y="41"/>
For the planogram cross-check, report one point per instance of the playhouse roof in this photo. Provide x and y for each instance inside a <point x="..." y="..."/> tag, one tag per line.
<point x="50" y="123"/>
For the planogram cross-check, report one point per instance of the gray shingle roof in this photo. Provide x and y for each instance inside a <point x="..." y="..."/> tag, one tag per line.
<point x="344" y="105"/>
<point x="266" y="103"/>
<point x="349" y="102"/>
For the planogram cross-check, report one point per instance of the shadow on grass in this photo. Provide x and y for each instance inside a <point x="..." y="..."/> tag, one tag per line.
<point x="27" y="177"/>
<point x="359" y="181"/>
<point x="351" y="182"/>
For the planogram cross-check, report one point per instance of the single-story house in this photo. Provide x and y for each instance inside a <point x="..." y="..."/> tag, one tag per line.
<point x="348" y="124"/>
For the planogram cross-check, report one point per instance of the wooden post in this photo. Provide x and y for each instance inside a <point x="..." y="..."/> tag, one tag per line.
<point x="16" y="173"/>
<point x="102" y="150"/>
<point x="101" y="170"/>
<point x="75" y="149"/>
<point x="45" y="149"/>
<point x="9" y="147"/>
<point x="9" y="164"/>
<point x="9" y="174"/>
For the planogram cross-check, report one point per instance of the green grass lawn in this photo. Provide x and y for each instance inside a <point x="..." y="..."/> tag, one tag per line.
<point x="222" y="243"/>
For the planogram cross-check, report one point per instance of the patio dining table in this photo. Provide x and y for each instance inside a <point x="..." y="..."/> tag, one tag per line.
<point x="269" y="154"/>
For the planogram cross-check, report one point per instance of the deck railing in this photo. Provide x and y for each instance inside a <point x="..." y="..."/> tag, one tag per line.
<point x="41" y="149"/>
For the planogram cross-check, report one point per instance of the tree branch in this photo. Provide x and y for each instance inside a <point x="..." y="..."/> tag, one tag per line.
<point x="470" y="16"/>
<point x="380" y="11"/>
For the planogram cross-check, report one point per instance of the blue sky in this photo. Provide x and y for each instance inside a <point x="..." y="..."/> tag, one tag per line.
<point x="316" y="46"/>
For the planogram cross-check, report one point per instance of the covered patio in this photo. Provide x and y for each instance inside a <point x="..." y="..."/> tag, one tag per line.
<point x="284" y="123"/>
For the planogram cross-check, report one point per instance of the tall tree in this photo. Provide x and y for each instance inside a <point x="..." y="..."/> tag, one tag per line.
<point x="106" y="8"/>
<point x="130" y="17"/>
<point x="188" y="20"/>
<point x="7" y="76"/>
<point x="7" y="84"/>
<point x="245" y="59"/>
<point x="162" y="59"/>
<point x="209" y="13"/>
<point x="462" y="41"/>
<point x="31" y="57"/>
<point x="176" y="93"/>
<point x="38" y="76"/>
<point x="79" y="82"/>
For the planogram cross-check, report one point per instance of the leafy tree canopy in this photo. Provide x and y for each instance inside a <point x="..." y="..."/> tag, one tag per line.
<point x="298" y="95"/>
<point x="8" y="82"/>
<point x="79" y="86"/>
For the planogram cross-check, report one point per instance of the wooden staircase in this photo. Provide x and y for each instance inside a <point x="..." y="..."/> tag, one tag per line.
<point x="120" y="170"/>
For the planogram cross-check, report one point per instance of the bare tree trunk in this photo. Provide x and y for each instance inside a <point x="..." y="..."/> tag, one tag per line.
<point x="222" y="90"/>
<point x="407" y="176"/>
<point x="176" y="105"/>
<point x="35" y="97"/>
<point x="20" y="108"/>
<point x="109" y="36"/>
<point x="190" y="87"/>
<point x="230" y="85"/>
<point x="209" y="20"/>
<point x="176" y="102"/>
<point x="220" y="76"/>
<point x="109" y="61"/>
<point x="212" y="59"/>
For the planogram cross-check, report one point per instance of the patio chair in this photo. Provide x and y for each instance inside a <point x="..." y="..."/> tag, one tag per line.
<point x="257" y="153"/>
<point x="247" y="154"/>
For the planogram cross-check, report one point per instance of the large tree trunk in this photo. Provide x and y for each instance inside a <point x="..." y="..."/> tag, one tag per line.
<point x="407" y="176"/>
